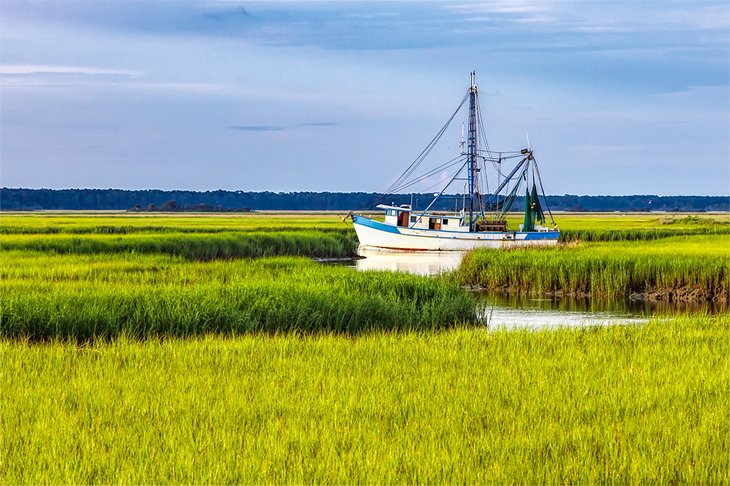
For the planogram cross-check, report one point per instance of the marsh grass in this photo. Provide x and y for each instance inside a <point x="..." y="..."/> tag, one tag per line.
<point x="193" y="246"/>
<point x="639" y="234"/>
<point x="101" y="296"/>
<point x="97" y="277"/>
<point x="144" y="350"/>
<point x="613" y="270"/>
<point x="618" y="404"/>
<point x="642" y="227"/>
<point x="14" y="223"/>
<point x="195" y="238"/>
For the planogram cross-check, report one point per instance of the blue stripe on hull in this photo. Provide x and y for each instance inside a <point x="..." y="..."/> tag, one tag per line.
<point x="374" y="224"/>
<point x="540" y="235"/>
<point x="529" y="235"/>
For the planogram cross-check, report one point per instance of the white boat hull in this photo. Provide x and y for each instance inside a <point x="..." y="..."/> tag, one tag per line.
<point x="375" y="234"/>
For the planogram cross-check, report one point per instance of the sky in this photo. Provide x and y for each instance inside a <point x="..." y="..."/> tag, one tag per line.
<point x="618" y="97"/>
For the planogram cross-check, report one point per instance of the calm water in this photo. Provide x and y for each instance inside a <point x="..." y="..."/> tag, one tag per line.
<point x="421" y="263"/>
<point x="515" y="311"/>
<point x="498" y="310"/>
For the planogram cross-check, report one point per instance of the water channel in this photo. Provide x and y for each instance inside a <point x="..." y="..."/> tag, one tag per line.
<point x="520" y="311"/>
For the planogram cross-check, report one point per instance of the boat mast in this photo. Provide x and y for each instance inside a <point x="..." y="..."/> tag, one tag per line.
<point x="472" y="147"/>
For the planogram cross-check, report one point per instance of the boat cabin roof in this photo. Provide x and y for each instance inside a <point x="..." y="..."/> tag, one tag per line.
<point x="407" y="208"/>
<point x="397" y="208"/>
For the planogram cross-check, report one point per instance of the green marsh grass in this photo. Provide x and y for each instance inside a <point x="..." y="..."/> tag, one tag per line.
<point x="574" y="226"/>
<point x="194" y="246"/>
<point x="629" y="227"/>
<point x="106" y="295"/>
<point x="617" y="404"/>
<point x="196" y="237"/>
<point x="634" y="227"/>
<point x="143" y="222"/>
<point x="144" y="349"/>
<point x="614" y="269"/>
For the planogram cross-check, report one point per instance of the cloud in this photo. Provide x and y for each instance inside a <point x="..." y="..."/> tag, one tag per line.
<point x="28" y="75"/>
<point x="65" y="76"/>
<point x="600" y="17"/>
<point x="29" y="69"/>
<point x="227" y="14"/>
<point x="257" y="128"/>
<point x="501" y="7"/>
<point x="279" y="128"/>
<point x="330" y="25"/>
<point x="319" y="124"/>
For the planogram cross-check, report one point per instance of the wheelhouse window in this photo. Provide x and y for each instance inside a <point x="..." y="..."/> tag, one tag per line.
<point x="446" y="221"/>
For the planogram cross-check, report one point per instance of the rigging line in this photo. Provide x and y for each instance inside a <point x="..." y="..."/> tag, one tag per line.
<point x="482" y="130"/>
<point x="510" y="199"/>
<point x="509" y="177"/>
<point x="442" y="190"/>
<point x="500" y="152"/>
<point x="497" y="152"/>
<point x="481" y="123"/>
<point x="498" y="155"/>
<point x="547" y="206"/>
<point x="420" y="178"/>
<point x="483" y="135"/>
<point x="436" y="169"/>
<point x="428" y="148"/>
<point x="497" y="169"/>
<point x="437" y="183"/>
<point x="410" y="172"/>
<point x="425" y="177"/>
<point x="486" y="179"/>
<point x="406" y="186"/>
<point x="502" y="155"/>
<point x="482" y="176"/>
<point x="503" y="159"/>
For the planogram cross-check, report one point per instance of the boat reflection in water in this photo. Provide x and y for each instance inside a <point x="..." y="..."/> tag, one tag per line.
<point x="416" y="262"/>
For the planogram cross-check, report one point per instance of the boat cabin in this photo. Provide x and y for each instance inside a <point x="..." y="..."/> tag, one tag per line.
<point x="396" y="215"/>
<point x="404" y="216"/>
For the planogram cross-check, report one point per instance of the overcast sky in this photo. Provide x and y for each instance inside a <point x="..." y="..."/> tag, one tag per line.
<point x="618" y="97"/>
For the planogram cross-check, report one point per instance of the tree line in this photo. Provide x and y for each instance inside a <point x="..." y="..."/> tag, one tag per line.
<point x="14" y="199"/>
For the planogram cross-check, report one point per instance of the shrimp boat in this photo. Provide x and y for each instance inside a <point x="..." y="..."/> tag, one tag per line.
<point x="481" y="220"/>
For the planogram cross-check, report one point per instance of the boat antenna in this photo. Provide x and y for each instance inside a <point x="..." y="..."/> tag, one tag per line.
<point x="527" y="135"/>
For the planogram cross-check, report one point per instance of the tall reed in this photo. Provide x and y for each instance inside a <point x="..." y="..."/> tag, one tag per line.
<point x="638" y="234"/>
<point x="617" y="404"/>
<point x="194" y="246"/>
<point x="102" y="296"/>
<point x="608" y="269"/>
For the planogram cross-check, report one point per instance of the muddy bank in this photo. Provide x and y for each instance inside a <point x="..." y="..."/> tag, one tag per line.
<point x="688" y="294"/>
<point x="683" y="294"/>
